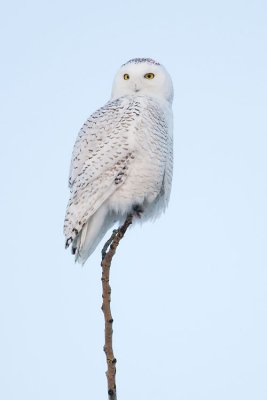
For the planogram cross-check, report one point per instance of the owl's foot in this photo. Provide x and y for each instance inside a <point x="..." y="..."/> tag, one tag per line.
<point x="138" y="210"/>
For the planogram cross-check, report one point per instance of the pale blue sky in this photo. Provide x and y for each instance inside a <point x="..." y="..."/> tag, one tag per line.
<point x="189" y="291"/>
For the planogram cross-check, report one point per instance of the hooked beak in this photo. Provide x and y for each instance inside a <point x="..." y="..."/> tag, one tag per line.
<point x="136" y="88"/>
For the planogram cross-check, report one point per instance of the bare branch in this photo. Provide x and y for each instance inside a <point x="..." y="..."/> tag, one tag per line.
<point x="108" y="252"/>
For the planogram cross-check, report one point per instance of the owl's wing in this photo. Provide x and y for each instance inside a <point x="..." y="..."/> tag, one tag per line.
<point x="101" y="157"/>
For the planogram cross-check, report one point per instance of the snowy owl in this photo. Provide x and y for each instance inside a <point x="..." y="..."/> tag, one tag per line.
<point x="122" y="158"/>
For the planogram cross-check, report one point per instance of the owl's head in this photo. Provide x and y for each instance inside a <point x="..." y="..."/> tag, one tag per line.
<point x="142" y="77"/>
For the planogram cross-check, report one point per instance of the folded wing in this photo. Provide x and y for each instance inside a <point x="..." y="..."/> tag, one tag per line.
<point x="101" y="159"/>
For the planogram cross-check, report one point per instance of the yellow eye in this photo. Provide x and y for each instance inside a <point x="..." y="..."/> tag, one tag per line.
<point x="150" y="75"/>
<point x="126" y="77"/>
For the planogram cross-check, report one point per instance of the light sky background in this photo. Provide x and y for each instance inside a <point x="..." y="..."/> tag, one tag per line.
<point x="189" y="293"/>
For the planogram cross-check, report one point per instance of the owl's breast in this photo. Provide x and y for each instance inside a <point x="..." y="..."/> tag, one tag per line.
<point x="146" y="171"/>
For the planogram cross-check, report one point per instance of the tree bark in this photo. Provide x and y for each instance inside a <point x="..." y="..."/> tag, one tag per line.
<point x="108" y="252"/>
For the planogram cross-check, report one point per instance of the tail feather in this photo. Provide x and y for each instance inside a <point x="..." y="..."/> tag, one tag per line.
<point x="92" y="233"/>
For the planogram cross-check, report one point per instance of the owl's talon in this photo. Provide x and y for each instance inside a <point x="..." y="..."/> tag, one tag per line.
<point x="138" y="210"/>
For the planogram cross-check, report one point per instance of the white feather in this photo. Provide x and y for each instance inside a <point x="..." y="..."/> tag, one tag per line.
<point x="122" y="157"/>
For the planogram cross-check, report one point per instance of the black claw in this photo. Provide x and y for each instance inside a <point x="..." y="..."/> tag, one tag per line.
<point x="138" y="210"/>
